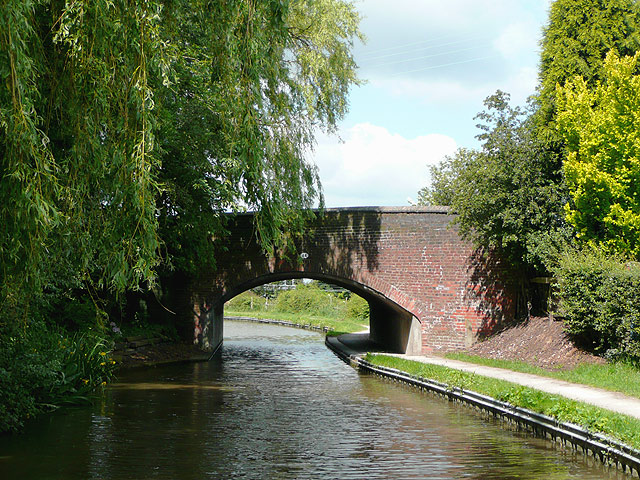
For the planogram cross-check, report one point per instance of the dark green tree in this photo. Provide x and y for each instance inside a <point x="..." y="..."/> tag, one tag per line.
<point x="575" y="42"/>
<point x="510" y="194"/>
<point x="501" y="192"/>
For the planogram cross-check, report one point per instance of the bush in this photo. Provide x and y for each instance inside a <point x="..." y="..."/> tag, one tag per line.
<point x="309" y="299"/>
<point x="79" y="313"/>
<point x="247" y="301"/>
<point x="599" y="298"/>
<point x="358" y="308"/>
<point x="42" y="367"/>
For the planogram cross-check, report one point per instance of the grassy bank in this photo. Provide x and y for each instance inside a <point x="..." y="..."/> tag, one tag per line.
<point x="617" y="377"/>
<point x="305" y="305"/>
<point x="624" y="428"/>
<point x="335" y="325"/>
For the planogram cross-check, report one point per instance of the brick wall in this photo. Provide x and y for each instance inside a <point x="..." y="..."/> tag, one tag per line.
<point x="410" y="256"/>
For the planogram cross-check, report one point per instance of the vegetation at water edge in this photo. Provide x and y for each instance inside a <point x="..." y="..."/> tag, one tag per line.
<point x="306" y="305"/>
<point x="43" y="367"/>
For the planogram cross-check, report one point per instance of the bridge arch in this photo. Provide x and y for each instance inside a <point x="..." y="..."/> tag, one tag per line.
<point x="390" y="325"/>
<point x="427" y="288"/>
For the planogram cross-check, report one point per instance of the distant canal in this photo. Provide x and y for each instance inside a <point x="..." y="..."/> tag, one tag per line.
<point x="276" y="404"/>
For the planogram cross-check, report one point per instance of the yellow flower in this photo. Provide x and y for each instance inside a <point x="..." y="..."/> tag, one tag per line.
<point x="85" y="381"/>
<point x="103" y="353"/>
<point x="103" y="383"/>
<point x="102" y="364"/>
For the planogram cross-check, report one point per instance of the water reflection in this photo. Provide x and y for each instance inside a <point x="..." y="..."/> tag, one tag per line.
<point x="277" y="404"/>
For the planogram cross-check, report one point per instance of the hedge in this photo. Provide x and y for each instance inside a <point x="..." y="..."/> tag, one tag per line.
<point x="599" y="298"/>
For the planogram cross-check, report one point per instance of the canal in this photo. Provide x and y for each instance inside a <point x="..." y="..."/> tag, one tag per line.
<point x="277" y="404"/>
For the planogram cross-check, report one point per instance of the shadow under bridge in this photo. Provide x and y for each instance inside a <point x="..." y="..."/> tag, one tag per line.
<point x="391" y="327"/>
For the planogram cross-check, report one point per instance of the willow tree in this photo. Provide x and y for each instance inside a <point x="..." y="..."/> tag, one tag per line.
<point x="117" y="116"/>
<point x="251" y="88"/>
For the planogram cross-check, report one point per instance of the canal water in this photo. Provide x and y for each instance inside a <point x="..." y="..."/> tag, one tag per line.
<point x="277" y="404"/>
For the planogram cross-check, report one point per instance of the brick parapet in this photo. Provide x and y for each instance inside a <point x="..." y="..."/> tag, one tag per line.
<point x="412" y="256"/>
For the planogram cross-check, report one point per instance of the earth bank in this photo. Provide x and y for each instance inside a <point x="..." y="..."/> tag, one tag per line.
<point x="538" y="341"/>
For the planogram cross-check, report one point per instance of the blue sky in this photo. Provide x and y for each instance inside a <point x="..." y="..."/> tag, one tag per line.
<point x="428" y="65"/>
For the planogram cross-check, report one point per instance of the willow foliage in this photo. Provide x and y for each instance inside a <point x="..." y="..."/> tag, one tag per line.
<point x="125" y="122"/>
<point x="76" y="125"/>
<point x="254" y="81"/>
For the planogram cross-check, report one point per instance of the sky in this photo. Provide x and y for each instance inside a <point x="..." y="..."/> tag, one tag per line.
<point x="427" y="66"/>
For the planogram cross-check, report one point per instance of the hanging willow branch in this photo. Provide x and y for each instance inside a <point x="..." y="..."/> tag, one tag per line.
<point x="128" y="127"/>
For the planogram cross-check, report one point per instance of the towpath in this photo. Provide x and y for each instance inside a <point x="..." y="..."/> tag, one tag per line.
<point x="359" y="344"/>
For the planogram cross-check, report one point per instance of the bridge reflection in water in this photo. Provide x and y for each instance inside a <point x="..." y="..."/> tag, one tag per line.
<point x="276" y="403"/>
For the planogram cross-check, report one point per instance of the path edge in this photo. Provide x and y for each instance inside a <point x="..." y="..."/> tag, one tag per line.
<point x="607" y="450"/>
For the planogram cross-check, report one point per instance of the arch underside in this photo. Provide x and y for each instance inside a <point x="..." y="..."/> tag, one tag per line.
<point x="392" y="327"/>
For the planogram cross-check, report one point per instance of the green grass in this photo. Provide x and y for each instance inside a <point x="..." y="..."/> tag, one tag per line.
<point x="335" y="325"/>
<point x="305" y="305"/>
<point x="622" y="427"/>
<point x="617" y="377"/>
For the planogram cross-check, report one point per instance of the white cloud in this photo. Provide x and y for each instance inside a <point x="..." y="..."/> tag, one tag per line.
<point x="451" y="52"/>
<point x="373" y="166"/>
<point x="431" y="63"/>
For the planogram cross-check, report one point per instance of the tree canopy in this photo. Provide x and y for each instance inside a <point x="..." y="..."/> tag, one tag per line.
<point x="501" y="192"/>
<point x="600" y="128"/>
<point x="127" y="129"/>
<point x="237" y="123"/>
<point x="575" y="41"/>
<point x="510" y="194"/>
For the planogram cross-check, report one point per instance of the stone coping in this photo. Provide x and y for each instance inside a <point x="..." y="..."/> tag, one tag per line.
<point x="444" y="210"/>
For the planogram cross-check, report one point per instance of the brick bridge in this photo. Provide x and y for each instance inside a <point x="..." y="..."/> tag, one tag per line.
<point x="427" y="288"/>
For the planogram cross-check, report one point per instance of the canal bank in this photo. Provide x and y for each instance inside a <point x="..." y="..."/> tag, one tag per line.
<point x="272" y="321"/>
<point x="352" y="348"/>
<point x="151" y="352"/>
<point x="144" y="351"/>
<point x="276" y="403"/>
